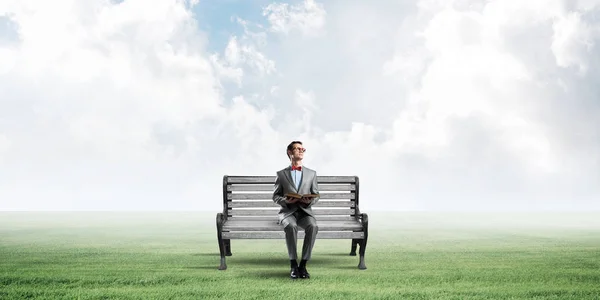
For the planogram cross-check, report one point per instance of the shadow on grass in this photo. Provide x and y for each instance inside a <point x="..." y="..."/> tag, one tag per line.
<point x="350" y="267"/>
<point x="207" y="254"/>
<point x="215" y="267"/>
<point x="282" y="274"/>
<point x="258" y="261"/>
<point x="339" y="254"/>
<point x="265" y="261"/>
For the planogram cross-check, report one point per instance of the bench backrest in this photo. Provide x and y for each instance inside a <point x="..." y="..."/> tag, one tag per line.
<point x="251" y="197"/>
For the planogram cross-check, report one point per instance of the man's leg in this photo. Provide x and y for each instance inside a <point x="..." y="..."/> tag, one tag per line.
<point x="291" y="237"/>
<point x="309" y="224"/>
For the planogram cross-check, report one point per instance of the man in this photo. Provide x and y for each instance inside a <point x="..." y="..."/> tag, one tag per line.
<point x="297" y="212"/>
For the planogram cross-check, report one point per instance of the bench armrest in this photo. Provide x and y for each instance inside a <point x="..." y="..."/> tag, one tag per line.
<point x="357" y="213"/>
<point x="221" y="218"/>
<point x="364" y="219"/>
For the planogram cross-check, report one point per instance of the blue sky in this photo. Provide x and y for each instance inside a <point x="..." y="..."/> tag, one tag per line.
<point x="215" y="18"/>
<point x="453" y="105"/>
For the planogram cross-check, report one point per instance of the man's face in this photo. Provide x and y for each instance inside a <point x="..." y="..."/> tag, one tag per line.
<point x="298" y="151"/>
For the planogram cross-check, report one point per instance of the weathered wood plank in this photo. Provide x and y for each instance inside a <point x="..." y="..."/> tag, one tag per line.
<point x="258" y="196"/>
<point x="266" y="212"/>
<point x="269" y="187"/>
<point x="273" y="226"/>
<point x="270" y="203"/>
<point x="281" y="235"/>
<point x="271" y="179"/>
<point x="273" y="222"/>
<point x="274" y="218"/>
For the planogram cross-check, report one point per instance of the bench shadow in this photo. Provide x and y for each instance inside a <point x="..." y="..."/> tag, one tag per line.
<point x="259" y="261"/>
<point x="349" y="267"/>
<point x="264" y="261"/>
<point x="339" y="254"/>
<point x="282" y="274"/>
<point x="207" y="254"/>
<point x="215" y="267"/>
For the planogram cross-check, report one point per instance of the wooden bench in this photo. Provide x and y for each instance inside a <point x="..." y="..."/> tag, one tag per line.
<point x="250" y="213"/>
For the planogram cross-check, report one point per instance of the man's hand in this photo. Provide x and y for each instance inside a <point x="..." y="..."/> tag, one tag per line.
<point x="306" y="200"/>
<point x="291" y="200"/>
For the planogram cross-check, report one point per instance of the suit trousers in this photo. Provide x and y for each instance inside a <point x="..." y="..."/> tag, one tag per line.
<point x="290" y="226"/>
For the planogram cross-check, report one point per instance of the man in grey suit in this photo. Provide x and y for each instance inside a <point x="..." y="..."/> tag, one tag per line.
<point x="297" y="212"/>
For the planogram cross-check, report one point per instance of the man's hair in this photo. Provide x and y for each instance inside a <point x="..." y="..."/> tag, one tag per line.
<point x="290" y="148"/>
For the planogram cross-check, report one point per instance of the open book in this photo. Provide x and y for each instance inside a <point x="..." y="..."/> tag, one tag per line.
<point x="299" y="196"/>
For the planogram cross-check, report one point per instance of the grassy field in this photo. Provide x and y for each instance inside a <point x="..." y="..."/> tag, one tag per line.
<point x="409" y="256"/>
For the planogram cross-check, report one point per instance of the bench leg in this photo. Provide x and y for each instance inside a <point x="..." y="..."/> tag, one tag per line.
<point x="353" y="247"/>
<point x="223" y="265"/>
<point x="363" y="243"/>
<point x="361" y="263"/>
<point x="227" y="247"/>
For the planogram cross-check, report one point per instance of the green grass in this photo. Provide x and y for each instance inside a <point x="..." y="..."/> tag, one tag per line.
<point x="409" y="256"/>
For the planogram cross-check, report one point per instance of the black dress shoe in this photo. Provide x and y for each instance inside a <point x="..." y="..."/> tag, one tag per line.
<point x="304" y="273"/>
<point x="294" y="273"/>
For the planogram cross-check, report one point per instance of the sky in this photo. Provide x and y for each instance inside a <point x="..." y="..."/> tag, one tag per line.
<point x="437" y="105"/>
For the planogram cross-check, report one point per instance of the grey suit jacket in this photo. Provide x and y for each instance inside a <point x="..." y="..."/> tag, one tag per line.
<point x="284" y="184"/>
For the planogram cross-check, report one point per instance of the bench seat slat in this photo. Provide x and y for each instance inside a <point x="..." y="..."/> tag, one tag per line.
<point x="271" y="179"/>
<point x="269" y="187"/>
<point x="273" y="226"/>
<point x="281" y="235"/>
<point x="257" y="196"/>
<point x="275" y="218"/>
<point x="270" y="203"/>
<point x="265" y="212"/>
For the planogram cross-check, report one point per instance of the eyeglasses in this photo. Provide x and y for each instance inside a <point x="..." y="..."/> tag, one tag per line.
<point x="299" y="149"/>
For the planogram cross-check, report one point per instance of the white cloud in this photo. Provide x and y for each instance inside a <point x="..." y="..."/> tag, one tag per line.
<point x="236" y="54"/>
<point x="307" y="17"/>
<point x="573" y="40"/>
<point x="95" y="82"/>
<point x="233" y="52"/>
<point x="470" y="75"/>
<point x="243" y="53"/>
<point x="306" y="102"/>
<point x="227" y="72"/>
